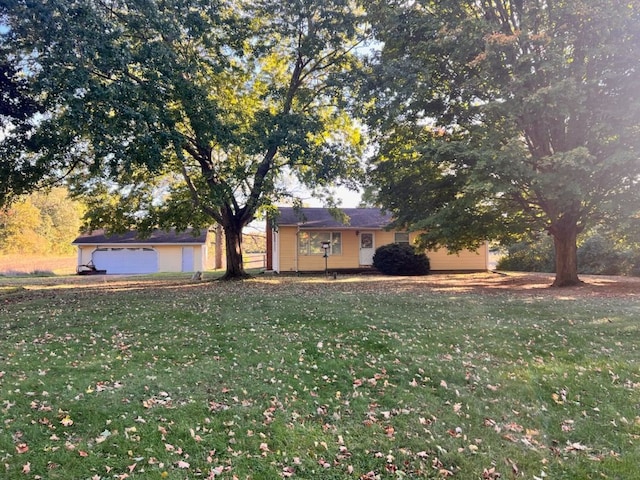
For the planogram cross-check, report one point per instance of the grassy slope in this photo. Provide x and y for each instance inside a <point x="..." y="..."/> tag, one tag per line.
<point x="154" y="378"/>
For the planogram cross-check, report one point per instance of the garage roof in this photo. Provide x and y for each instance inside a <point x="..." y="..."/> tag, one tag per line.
<point x="98" y="237"/>
<point x="359" y="218"/>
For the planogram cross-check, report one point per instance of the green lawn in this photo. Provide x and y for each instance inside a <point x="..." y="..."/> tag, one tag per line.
<point x="360" y="377"/>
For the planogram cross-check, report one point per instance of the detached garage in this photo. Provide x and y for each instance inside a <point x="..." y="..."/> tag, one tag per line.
<point x="129" y="254"/>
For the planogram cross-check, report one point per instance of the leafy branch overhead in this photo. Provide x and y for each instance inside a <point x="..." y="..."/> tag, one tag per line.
<point x="219" y="99"/>
<point x="500" y="118"/>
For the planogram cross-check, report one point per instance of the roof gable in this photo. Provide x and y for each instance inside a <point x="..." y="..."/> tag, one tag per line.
<point x="309" y="218"/>
<point x="131" y="238"/>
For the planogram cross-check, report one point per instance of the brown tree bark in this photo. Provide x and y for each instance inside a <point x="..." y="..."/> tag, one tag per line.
<point x="218" y="247"/>
<point x="565" y="233"/>
<point x="233" y="243"/>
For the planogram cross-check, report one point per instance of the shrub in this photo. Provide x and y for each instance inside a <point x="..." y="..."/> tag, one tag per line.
<point x="400" y="259"/>
<point x="537" y="256"/>
<point x="598" y="256"/>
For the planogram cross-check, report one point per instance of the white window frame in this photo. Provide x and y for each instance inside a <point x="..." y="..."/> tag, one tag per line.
<point x="310" y="246"/>
<point x="395" y="237"/>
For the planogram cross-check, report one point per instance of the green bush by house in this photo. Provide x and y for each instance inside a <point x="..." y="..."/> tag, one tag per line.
<point x="400" y="259"/>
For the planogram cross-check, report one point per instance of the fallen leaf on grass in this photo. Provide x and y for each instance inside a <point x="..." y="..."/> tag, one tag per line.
<point x="490" y="474"/>
<point x="219" y="470"/>
<point x="66" y="421"/>
<point x="567" y="425"/>
<point x="22" y="448"/>
<point x="575" y="447"/>
<point x="26" y="468"/>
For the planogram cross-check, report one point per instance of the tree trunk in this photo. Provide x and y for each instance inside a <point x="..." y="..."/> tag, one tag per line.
<point x="218" y="247"/>
<point x="565" y="234"/>
<point x="233" y="243"/>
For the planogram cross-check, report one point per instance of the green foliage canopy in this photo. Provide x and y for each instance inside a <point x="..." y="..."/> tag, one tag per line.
<point x="506" y="117"/>
<point x="186" y="110"/>
<point x="17" y="108"/>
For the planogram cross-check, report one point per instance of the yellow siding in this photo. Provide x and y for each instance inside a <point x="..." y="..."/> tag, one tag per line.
<point x="465" y="260"/>
<point x="384" y="237"/>
<point x="287" y="244"/>
<point x="169" y="258"/>
<point x="290" y="261"/>
<point x="200" y="257"/>
<point x="347" y="259"/>
<point x="440" y="259"/>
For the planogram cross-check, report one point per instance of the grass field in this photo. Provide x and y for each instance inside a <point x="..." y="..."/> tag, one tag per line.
<point x="467" y="377"/>
<point x="16" y="264"/>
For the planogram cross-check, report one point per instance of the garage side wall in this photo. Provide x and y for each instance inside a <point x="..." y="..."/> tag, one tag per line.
<point x="169" y="258"/>
<point x="84" y="254"/>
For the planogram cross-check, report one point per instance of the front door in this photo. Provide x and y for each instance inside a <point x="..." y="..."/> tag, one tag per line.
<point x="367" y="248"/>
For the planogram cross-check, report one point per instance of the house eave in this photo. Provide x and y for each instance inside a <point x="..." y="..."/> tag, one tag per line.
<point x="333" y="227"/>
<point x="139" y="244"/>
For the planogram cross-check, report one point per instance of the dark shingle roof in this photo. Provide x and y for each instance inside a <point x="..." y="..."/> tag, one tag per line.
<point x="361" y="218"/>
<point x="157" y="237"/>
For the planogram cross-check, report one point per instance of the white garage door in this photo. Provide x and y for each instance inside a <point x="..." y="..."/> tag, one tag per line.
<point x="126" y="260"/>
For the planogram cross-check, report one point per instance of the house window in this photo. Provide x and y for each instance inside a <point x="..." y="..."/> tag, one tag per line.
<point x="310" y="243"/>
<point x="401" y="237"/>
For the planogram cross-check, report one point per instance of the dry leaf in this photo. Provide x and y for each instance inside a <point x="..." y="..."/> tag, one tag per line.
<point x="66" y="421"/>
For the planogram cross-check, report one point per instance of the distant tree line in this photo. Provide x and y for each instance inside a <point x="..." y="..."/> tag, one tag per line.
<point x="42" y="223"/>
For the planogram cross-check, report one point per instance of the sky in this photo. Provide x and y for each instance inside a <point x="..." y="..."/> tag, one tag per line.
<point x="347" y="198"/>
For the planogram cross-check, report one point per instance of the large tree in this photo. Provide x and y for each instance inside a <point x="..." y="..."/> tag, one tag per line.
<point x="500" y="117"/>
<point x="184" y="109"/>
